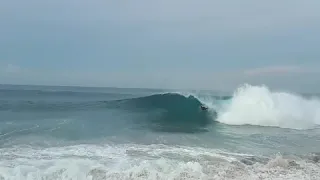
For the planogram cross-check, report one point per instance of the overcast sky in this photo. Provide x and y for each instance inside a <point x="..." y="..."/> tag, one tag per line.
<point x="204" y="44"/>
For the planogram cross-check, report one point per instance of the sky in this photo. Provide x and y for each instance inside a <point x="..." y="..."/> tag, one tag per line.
<point x="204" y="44"/>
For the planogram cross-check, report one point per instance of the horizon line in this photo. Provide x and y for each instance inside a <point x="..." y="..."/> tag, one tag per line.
<point x="113" y="87"/>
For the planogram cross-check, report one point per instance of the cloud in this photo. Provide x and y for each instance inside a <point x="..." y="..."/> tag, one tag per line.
<point x="10" y="68"/>
<point x="279" y="70"/>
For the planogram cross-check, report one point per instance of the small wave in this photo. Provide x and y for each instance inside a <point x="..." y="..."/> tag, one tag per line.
<point x="50" y="106"/>
<point x="257" y="105"/>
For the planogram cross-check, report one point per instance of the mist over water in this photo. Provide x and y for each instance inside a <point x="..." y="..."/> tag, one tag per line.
<point x="105" y="133"/>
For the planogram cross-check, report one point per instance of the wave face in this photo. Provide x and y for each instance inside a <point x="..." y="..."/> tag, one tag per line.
<point x="257" y="105"/>
<point x="172" y="111"/>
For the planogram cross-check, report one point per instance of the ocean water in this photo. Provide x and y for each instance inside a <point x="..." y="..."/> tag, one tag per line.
<point x="53" y="133"/>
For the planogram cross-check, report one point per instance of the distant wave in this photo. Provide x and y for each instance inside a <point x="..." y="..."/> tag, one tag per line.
<point x="54" y="93"/>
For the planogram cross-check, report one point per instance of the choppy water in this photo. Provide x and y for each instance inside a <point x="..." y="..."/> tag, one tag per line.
<point x="111" y="133"/>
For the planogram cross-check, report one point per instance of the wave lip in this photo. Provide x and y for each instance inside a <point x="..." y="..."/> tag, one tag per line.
<point x="257" y="105"/>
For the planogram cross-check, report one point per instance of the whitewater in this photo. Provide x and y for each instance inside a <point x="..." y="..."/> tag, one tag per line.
<point x="257" y="105"/>
<point x="49" y="132"/>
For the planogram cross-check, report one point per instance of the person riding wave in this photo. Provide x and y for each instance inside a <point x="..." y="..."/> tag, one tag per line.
<point x="203" y="108"/>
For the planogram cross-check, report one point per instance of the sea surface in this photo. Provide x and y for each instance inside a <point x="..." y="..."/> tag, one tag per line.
<point x="78" y="133"/>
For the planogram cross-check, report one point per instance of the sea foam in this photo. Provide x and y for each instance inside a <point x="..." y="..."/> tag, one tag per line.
<point x="258" y="105"/>
<point x="99" y="162"/>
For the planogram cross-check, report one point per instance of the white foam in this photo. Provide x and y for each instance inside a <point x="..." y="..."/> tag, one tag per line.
<point x="143" y="162"/>
<point x="257" y="105"/>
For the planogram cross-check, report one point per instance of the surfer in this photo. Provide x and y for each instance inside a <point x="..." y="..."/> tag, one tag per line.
<point x="203" y="108"/>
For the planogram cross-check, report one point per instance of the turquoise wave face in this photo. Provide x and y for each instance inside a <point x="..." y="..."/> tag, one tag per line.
<point x="172" y="112"/>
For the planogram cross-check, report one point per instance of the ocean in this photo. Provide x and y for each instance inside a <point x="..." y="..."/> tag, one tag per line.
<point x="51" y="133"/>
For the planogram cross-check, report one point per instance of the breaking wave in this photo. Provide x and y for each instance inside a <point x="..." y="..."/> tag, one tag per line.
<point x="249" y="105"/>
<point x="258" y="105"/>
